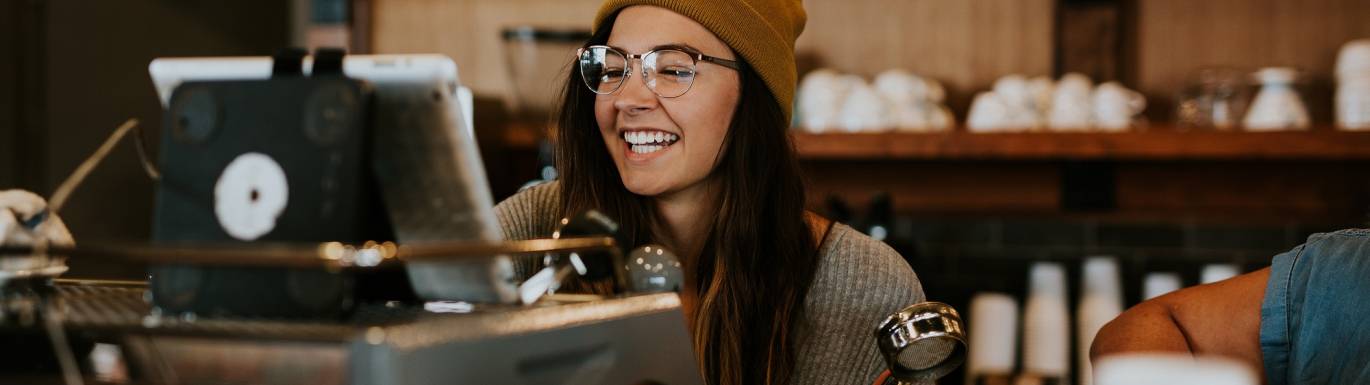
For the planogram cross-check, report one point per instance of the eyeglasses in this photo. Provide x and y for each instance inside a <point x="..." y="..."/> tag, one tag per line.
<point x="669" y="72"/>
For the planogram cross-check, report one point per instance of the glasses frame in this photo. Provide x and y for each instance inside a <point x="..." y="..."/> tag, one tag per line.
<point x="694" y="55"/>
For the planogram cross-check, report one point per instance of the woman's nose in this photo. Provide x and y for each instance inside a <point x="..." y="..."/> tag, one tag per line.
<point x="635" y="97"/>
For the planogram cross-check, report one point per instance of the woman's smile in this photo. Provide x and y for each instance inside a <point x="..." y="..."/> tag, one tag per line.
<point x="642" y="145"/>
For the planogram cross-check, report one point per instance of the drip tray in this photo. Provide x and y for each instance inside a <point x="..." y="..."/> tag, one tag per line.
<point x="609" y="341"/>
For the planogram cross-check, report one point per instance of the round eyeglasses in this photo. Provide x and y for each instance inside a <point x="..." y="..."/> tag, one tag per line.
<point x="668" y="71"/>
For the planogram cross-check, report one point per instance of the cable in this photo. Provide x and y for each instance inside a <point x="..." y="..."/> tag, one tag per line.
<point x="71" y="374"/>
<point x="74" y="180"/>
<point x="148" y="166"/>
<point x="64" y="191"/>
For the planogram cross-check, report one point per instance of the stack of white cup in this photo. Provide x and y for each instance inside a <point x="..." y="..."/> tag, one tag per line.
<point x="1073" y="104"/>
<point x="1353" y="86"/>
<point x="830" y="101"/>
<point x="993" y="339"/>
<point x="1046" y="324"/>
<point x="1100" y="302"/>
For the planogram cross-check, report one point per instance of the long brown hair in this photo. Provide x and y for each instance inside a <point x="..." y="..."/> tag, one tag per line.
<point x="756" y="265"/>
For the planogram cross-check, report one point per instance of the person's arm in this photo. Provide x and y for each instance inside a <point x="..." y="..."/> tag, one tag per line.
<point x="1221" y="318"/>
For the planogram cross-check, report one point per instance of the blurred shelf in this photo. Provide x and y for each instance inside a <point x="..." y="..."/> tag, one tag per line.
<point x="1321" y="143"/>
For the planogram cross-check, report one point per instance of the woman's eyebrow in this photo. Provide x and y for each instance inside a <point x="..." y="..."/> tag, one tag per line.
<point x="672" y="45"/>
<point x="685" y="47"/>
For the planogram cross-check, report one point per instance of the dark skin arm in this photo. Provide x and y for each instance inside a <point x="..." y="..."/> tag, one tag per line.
<point x="1222" y="318"/>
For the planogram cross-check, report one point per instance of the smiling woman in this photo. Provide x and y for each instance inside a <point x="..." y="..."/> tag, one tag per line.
<point x="675" y="122"/>
<point x="640" y="109"/>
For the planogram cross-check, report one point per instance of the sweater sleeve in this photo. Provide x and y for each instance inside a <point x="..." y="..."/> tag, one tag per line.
<point x="530" y="214"/>
<point x="859" y="282"/>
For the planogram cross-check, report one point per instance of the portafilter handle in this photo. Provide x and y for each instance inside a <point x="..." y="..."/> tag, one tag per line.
<point x="921" y="343"/>
<point x="592" y="266"/>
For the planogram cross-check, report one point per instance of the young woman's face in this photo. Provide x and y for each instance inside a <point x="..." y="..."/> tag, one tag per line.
<point x="697" y="120"/>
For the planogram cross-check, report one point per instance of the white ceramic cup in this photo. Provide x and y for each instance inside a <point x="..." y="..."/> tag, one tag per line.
<point x="1278" y="106"/>
<point x="1354" y="59"/>
<point x="1353" y="103"/>
<point x="987" y="114"/>
<point x="1115" y="105"/>
<point x="1071" y="104"/>
<point x="864" y="109"/>
<point x="821" y="95"/>
<point x="1014" y="91"/>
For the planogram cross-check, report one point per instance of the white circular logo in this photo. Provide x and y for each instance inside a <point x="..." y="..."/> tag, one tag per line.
<point x="250" y="195"/>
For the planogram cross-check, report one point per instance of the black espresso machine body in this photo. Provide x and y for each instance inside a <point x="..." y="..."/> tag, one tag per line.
<point x="284" y="159"/>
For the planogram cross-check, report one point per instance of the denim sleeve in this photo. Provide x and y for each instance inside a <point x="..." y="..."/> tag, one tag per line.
<point x="1315" y="300"/>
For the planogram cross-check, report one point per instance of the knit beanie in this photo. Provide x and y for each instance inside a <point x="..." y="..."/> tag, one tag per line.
<point x="761" y="31"/>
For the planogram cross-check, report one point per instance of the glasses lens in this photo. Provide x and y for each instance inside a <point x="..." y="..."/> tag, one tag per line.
<point x="603" y="69"/>
<point x="669" y="72"/>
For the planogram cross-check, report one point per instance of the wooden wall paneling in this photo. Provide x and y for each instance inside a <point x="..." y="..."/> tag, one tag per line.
<point x="469" y="32"/>
<point x="966" y="45"/>
<point x="1174" y="38"/>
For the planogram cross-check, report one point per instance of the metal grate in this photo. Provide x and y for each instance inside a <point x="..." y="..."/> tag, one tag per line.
<point x="126" y="309"/>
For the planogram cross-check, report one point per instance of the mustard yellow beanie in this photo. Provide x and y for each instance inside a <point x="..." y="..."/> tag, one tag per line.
<point x="761" y="31"/>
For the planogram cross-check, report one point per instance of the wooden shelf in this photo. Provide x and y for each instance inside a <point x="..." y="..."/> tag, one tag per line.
<point x="1319" y="144"/>
<point x="1322" y="143"/>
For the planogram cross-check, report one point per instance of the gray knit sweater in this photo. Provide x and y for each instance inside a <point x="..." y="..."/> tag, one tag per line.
<point x="859" y="282"/>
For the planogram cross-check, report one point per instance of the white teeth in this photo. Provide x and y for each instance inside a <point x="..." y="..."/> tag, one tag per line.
<point x="646" y="149"/>
<point x="643" y="138"/>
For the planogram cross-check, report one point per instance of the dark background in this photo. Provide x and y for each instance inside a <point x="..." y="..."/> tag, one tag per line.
<point x="74" y="70"/>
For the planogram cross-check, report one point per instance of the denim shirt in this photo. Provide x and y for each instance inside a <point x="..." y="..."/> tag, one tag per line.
<point x="1315" y="319"/>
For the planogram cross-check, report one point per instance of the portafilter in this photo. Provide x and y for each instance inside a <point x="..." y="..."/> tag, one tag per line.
<point x="921" y="343"/>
